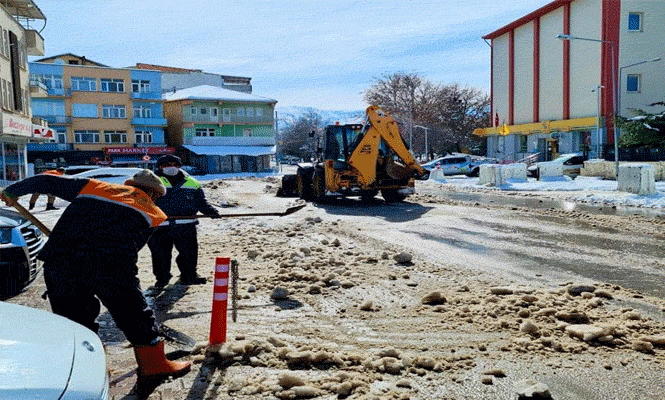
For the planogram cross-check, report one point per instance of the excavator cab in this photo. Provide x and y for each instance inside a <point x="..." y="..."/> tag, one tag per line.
<point x="339" y="143"/>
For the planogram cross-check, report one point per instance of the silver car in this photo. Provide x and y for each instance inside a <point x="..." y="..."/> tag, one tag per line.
<point x="45" y="356"/>
<point x="20" y="241"/>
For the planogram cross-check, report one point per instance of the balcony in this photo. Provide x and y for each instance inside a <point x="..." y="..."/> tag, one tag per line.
<point x="146" y="95"/>
<point x="229" y="119"/>
<point x="38" y="89"/>
<point x="56" y="119"/>
<point x="149" y="121"/>
<point x="34" y="43"/>
<point x="233" y="141"/>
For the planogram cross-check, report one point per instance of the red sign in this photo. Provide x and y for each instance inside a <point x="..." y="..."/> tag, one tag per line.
<point x="138" y="150"/>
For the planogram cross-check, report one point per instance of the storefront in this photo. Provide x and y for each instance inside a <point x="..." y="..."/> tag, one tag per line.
<point x="144" y="157"/>
<point x="16" y="132"/>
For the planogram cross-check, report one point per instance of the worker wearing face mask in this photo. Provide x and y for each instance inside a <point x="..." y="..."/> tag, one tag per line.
<point x="184" y="197"/>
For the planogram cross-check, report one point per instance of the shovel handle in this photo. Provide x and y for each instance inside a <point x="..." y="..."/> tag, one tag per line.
<point x="27" y="214"/>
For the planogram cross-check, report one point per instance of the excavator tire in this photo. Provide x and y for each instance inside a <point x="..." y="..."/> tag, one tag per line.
<point x="289" y="188"/>
<point x="304" y="184"/>
<point x="368" y="197"/>
<point x="392" y="195"/>
<point x="319" y="184"/>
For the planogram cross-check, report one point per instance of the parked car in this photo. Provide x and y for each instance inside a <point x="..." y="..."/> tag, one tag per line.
<point x="77" y="169"/>
<point x="458" y="164"/>
<point x="109" y="174"/>
<point x="572" y="164"/>
<point x="20" y="241"/>
<point x="46" y="356"/>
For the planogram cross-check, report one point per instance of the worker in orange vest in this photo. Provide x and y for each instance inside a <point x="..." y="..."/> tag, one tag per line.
<point x="50" y="199"/>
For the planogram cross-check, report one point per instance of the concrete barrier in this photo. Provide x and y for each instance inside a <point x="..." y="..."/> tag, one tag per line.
<point x="637" y="178"/>
<point x="549" y="170"/>
<point x="437" y="175"/>
<point x="501" y="174"/>
<point x="607" y="169"/>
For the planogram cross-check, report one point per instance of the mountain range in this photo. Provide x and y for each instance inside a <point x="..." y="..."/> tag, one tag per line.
<point x="288" y="115"/>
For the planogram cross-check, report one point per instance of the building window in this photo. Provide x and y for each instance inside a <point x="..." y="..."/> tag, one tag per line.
<point x="140" y="86"/>
<point x="192" y="110"/>
<point x="250" y="111"/>
<point x="205" y="132"/>
<point x="240" y="112"/>
<point x="60" y="134"/>
<point x="113" y="85"/>
<point x="142" y="112"/>
<point x="113" y="111"/>
<point x="522" y="148"/>
<point x="84" y="110"/>
<point x="84" y="84"/>
<point x="142" y="136"/>
<point x="50" y="81"/>
<point x="5" y="40"/>
<point x="635" y="22"/>
<point x="247" y="132"/>
<point x="42" y="108"/>
<point x="259" y="112"/>
<point x="214" y="112"/>
<point x="86" y="136"/>
<point x="115" y="136"/>
<point x="633" y="83"/>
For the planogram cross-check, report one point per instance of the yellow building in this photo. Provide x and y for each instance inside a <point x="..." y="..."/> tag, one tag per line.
<point x="98" y="112"/>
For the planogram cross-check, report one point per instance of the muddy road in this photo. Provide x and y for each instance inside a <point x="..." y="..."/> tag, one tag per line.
<point x="433" y="298"/>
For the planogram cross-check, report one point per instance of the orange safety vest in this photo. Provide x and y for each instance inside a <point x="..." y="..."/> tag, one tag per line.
<point x="128" y="196"/>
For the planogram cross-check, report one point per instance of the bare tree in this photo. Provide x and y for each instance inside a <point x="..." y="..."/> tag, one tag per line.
<point x="450" y="112"/>
<point x="296" y="138"/>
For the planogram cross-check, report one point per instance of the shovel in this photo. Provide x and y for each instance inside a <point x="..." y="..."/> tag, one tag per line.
<point x="28" y="215"/>
<point x="185" y="342"/>
<point x="288" y="211"/>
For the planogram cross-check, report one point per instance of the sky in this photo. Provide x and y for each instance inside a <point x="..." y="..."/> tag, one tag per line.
<point x="320" y="54"/>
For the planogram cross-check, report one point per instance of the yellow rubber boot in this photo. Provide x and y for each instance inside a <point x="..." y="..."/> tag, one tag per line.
<point x="152" y="362"/>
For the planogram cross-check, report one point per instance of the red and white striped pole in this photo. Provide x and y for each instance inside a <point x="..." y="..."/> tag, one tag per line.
<point x="220" y="297"/>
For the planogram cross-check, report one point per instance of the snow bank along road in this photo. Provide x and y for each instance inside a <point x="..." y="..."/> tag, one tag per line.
<point x="427" y="299"/>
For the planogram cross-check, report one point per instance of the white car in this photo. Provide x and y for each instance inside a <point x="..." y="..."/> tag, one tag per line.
<point x="46" y="356"/>
<point x="458" y="164"/>
<point x="20" y="241"/>
<point x="109" y="174"/>
<point x="572" y="164"/>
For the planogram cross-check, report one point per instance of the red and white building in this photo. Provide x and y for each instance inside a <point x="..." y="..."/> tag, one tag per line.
<point x="560" y="73"/>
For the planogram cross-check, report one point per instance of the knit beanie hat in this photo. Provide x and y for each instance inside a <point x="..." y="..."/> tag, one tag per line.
<point x="169" y="158"/>
<point x="147" y="179"/>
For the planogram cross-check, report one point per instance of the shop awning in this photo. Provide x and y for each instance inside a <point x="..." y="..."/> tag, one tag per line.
<point x="565" y="125"/>
<point x="232" y="150"/>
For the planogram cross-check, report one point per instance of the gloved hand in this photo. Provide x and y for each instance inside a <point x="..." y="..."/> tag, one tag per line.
<point x="7" y="198"/>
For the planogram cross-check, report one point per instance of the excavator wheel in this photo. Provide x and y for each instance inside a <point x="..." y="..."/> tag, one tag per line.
<point x="392" y="195"/>
<point x="368" y="197"/>
<point x="304" y="184"/>
<point x="289" y="187"/>
<point x="319" y="184"/>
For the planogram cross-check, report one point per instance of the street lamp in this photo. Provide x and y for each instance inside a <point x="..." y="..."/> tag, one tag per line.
<point x="613" y="45"/>
<point x="426" y="147"/>
<point x="597" y="89"/>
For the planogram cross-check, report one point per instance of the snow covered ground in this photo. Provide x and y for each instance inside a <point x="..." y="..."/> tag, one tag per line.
<point x="585" y="189"/>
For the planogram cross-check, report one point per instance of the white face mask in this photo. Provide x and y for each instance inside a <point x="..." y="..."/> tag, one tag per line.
<point x="170" y="171"/>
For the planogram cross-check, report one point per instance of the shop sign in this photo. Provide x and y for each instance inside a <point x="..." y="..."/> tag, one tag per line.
<point x="42" y="132"/>
<point x="12" y="125"/>
<point x="138" y="150"/>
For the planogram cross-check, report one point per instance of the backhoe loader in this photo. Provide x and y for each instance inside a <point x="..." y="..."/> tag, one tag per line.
<point x="357" y="160"/>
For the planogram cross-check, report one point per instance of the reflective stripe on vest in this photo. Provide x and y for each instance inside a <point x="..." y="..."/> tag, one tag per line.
<point x="127" y="196"/>
<point x="190" y="183"/>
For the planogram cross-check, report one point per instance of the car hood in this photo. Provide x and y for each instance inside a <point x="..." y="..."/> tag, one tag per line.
<point x="10" y="218"/>
<point x="31" y="339"/>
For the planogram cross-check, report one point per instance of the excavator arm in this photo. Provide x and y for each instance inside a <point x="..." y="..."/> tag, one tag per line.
<point x="366" y="154"/>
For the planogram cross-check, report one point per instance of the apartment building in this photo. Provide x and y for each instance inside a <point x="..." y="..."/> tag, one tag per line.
<point x="98" y="113"/>
<point x="174" y="78"/>
<point x="560" y="74"/>
<point x="16" y="43"/>
<point x="219" y="130"/>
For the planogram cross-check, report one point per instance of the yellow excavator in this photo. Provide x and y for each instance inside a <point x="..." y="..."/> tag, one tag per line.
<point x="358" y="160"/>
